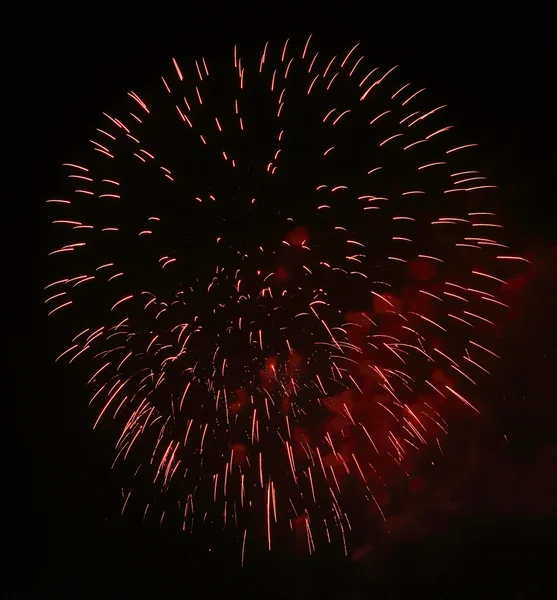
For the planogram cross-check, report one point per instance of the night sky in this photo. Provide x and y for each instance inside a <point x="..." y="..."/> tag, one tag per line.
<point x="482" y="522"/>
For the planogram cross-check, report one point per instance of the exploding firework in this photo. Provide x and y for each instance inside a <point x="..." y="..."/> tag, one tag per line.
<point x="285" y="267"/>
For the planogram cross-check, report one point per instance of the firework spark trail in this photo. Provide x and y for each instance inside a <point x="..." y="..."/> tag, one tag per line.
<point x="286" y="271"/>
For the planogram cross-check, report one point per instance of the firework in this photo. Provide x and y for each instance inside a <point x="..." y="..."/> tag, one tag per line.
<point x="285" y="268"/>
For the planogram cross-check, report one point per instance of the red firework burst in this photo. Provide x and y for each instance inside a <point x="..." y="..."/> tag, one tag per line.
<point x="286" y="267"/>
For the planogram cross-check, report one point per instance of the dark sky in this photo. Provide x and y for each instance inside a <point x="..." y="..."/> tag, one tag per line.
<point x="479" y="525"/>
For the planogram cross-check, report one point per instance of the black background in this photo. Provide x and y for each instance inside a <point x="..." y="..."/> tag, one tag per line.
<point x="482" y="526"/>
